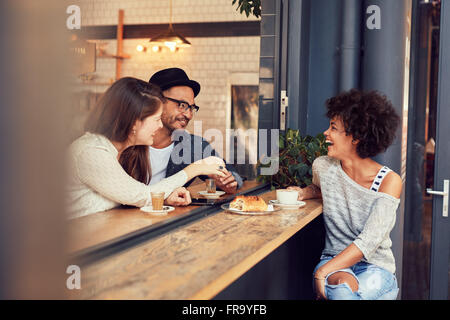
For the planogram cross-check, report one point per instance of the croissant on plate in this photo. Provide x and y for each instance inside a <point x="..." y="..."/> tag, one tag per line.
<point x="248" y="203"/>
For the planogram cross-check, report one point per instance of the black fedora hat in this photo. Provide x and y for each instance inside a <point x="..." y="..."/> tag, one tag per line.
<point x="172" y="77"/>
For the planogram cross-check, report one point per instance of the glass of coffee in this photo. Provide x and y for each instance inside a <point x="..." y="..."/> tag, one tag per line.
<point x="210" y="186"/>
<point x="157" y="200"/>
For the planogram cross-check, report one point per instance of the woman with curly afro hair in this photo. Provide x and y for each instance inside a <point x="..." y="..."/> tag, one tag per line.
<point x="360" y="199"/>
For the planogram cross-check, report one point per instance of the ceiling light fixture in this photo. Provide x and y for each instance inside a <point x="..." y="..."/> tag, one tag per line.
<point x="170" y="38"/>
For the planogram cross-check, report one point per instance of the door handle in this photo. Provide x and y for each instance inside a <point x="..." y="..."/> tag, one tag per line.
<point x="444" y="194"/>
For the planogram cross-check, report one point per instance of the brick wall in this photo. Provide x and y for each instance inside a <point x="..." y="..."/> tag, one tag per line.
<point x="213" y="62"/>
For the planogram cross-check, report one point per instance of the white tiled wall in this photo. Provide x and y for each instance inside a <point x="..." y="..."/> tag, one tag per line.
<point x="213" y="62"/>
<point x="104" y="12"/>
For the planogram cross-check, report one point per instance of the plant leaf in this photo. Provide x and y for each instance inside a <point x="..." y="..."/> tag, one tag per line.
<point x="296" y="156"/>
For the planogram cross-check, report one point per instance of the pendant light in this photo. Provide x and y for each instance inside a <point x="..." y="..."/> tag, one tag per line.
<point x="169" y="38"/>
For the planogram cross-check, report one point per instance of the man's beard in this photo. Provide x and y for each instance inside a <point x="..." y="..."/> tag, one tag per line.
<point x="182" y="122"/>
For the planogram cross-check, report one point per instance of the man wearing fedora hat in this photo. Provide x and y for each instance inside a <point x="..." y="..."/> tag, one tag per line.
<point x="168" y="155"/>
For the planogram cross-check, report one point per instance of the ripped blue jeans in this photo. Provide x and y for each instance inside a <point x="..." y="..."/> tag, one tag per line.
<point x="374" y="283"/>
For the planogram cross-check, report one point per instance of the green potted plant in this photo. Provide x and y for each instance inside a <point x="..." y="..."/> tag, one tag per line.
<point x="249" y="7"/>
<point x="296" y="156"/>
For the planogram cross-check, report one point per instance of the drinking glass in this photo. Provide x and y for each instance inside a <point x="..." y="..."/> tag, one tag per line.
<point x="157" y="200"/>
<point x="210" y="186"/>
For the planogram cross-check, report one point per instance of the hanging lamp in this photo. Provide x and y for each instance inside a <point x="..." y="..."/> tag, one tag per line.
<point x="170" y="38"/>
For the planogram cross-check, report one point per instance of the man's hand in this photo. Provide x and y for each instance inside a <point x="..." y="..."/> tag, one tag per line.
<point x="227" y="183"/>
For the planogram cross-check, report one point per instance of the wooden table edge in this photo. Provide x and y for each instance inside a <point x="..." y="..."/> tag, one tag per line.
<point x="223" y="281"/>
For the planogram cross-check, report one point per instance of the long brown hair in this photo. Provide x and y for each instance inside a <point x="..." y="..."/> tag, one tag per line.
<point x="126" y="101"/>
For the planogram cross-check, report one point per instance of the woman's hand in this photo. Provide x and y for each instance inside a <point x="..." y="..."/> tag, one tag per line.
<point x="319" y="285"/>
<point x="224" y="181"/>
<point x="310" y="192"/>
<point x="211" y="160"/>
<point x="301" y="193"/>
<point x="179" y="197"/>
<point x="211" y="166"/>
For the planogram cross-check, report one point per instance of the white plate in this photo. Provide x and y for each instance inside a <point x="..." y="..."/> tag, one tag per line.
<point x="163" y="212"/>
<point x="211" y="195"/>
<point x="299" y="204"/>
<point x="270" y="209"/>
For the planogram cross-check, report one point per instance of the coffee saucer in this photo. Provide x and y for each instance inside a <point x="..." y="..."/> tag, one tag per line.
<point x="297" y="205"/>
<point x="163" y="212"/>
<point x="215" y="195"/>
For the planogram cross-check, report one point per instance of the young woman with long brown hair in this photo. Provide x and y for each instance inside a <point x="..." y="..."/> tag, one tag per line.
<point x="109" y="164"/>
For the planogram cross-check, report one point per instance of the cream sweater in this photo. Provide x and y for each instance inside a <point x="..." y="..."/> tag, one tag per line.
<point x="97" y="181"/>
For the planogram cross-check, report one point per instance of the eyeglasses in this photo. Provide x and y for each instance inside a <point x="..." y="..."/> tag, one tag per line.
<point x="183" y="106"/>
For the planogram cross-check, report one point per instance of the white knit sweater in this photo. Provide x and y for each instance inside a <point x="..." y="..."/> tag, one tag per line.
<point x="354" y="214"/>
<point x="97" y="182"/>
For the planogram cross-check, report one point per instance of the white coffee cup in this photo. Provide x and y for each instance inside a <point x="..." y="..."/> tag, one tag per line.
<point x="285" y="196"/>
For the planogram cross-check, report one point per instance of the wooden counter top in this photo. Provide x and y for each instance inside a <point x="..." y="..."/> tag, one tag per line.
<point x="196" y="261"/>
<point x="95" y="229"/>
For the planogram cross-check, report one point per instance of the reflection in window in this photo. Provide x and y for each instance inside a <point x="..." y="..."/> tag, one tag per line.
<point x="244" y="122"/>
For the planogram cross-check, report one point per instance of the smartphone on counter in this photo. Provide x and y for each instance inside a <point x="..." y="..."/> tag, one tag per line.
<point x="207" y="202"/>
<point x="203" y="202"/>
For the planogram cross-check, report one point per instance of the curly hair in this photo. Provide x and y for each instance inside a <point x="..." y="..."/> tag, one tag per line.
<point x="368" y="116"/>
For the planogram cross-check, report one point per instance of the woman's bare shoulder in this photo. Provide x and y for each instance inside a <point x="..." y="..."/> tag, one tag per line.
<point x="392" y="185"/>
